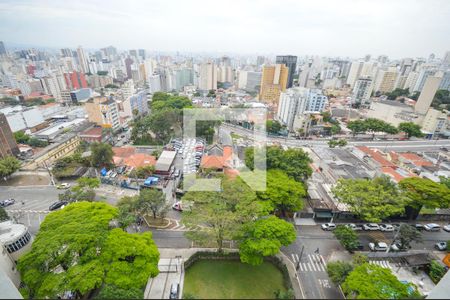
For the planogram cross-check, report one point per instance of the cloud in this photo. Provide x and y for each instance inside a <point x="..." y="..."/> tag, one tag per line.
<point x="398" y="28"/>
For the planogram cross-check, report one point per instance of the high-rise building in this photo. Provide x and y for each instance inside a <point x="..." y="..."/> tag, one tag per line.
<point x="446" y="60"/>
<point x="445" y="82"/>
<point x="8" y="144"/>
<point x="128" y="63"/>
<point x="260" y="61"/>
<point x="66" y="52"/>
<point x="2" y="48"/>
<point x="354" y="72"/>
<point x="142" y="53"/>
<point x="316" y="101"/>
<point x="426" y="96"/>
<point x="273" y="82"/>
<point x="289" y="61"/>
<point x="362" y="90"/>
<point x="386" y="80"/>
<point x="208" y="76"/>
<point x="82" y="60"/>
<point x="292" y="103"/>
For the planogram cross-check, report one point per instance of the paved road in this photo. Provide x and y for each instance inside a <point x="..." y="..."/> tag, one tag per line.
<point x="311" y="266"/>
<point x="416" y="145"/>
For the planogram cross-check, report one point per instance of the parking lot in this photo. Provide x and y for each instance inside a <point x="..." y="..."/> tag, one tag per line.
<point x="191" y="150"/>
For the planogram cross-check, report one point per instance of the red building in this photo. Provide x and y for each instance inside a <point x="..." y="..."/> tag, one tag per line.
<point x="31" y="69"/>
<point x="75" y="80"/>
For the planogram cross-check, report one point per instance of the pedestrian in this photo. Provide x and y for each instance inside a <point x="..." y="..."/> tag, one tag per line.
<point x="23" y="202"/>
<point x="317" y="250"/>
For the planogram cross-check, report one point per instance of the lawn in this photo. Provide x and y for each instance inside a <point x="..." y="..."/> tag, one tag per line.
<point x="231" y="279"/>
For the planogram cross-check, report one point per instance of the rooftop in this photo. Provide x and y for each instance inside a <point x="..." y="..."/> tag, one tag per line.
<point x="94" y="131"/>
<point x="165" y="160"/>
<point x="9" y="231"/>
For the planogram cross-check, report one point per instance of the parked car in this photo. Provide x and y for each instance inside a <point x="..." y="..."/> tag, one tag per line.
<point x="7" y="202"/>
<point x="371" y="226"/>
<point x="386" y="227"/>
<point x="121" y="169"/>
<point x="57" y="205"/>
<point x="328" y="226"/>
<point x="432" y="227"/>
<point x="446" y="227"/>
<point x="354" y="227"/>
<point x="176" y="173"/>
<point x="380" y="246"/>
<point x="419" y="227"/>
<point x="63" y="186"/>
<point x="441" y="246"/>
<point x="174" y="290"/>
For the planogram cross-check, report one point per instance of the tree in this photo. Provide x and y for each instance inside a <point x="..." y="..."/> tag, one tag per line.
<point x="219" y="216"/>
<point x="83" y="191"/>
<point x="397" y="93"/>
<point x="338" y="271"/>
<point x="347" y="237"/>
<point x="338" y="143"/>
<point x="441" y="99"/>
<point x="113" y="292"/>
<point x="436" y="271"/>
<point x="127" y="211"/>
<point x="150" y="201"/>
<point x="370" y="281"/>
<point x="359" y="259"/>
<point x="357" y="127"/>
<point x="294" y="162"/>
<point x="3" y="215"/>
<point x="371" y="200"/>
<point x="75" y="250"/>
<point x="8" y="166"/>
<point x="101" y="155"/>
<point x="273" y="127"/>
<point x="282" y="193"/>
<point x="21" y="137"/>
<point x="423" y="192"/>
<point x="410" y="129"/>
<point x="335" y="129"/>
<point x="144" y="172"/>
<point x="264" y="237"/>
<point x="111" y="86"/>
<point x="408" y="234"/>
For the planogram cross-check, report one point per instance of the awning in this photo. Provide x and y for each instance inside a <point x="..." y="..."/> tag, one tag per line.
<point x="323" y="215"/>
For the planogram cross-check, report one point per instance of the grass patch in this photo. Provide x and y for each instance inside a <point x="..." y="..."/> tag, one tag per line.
<point x="231" y="279"/>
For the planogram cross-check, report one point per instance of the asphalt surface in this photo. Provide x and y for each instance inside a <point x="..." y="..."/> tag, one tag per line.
<point x="311" y="264"/>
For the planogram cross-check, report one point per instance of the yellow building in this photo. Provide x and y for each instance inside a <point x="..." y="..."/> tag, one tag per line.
<point x="273" y="82"/>
<point x="103" y="111"/>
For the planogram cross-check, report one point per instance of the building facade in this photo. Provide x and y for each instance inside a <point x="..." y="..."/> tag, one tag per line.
<point x="273" y="82"/>
<point x="8" y="145"/>
<point x="362" y="90"/>
<point x="103" y="111"/>
<point x="290" y="62"/>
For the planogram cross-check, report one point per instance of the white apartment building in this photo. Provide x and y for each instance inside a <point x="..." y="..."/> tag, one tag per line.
<point x="292" y="102"/>
<point x="208" y="76"/>
<point x="316" y="101"/>
<point x="362" y="90"/>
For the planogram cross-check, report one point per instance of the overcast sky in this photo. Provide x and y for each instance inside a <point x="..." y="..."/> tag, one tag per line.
<point x="398" y="28"/>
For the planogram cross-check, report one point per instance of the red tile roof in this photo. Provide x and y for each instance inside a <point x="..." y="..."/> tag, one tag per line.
<point x="123" y="151"/>
<point x="212" y="162"/>
<point x="139" y="160"/>
<point x="416" y="159"/>
<point x="96" y="131"/>
<point x="375" y="155"/>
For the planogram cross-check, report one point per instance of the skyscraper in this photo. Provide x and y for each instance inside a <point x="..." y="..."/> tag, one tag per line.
<point x="290" y="61"/>
<point x="426" y="96"/>
<point x="273" y="82"/>
<point x="2" y="48"/>
<point x="128" y="63"/>
<point x="82" y="60"/>
<point x="8" y="144"/>
<point x="208" y="76"/>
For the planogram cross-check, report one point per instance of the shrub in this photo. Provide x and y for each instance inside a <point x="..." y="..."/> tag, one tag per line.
<point x="347" y="237"/>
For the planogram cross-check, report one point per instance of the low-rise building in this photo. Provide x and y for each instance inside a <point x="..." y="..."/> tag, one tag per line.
<point x="103" y="111"/>
<point x="165" y="162"/>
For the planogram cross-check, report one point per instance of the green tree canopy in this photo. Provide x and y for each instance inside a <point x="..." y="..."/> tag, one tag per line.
<point x="371" y="200"/>
<point x="371" y="125"/>
<point x="347" y="237"/>
<point x="282" y="194"/>
<point x="8" y="166"/>
<point x="150" y="201"/>
<point x="101" y="155"/>
<point x="370" y="281"/>
<point x="218" y="216"/>
<point x="264" y="237"/>
<point x="162" y="101"/>
<point x="3" y="215"/>
<point x="294" y="162"/>
<point x="411" y="129"/>
<point x="21" y="137"/>
<point x="273" y="126"/>
<point x="423" y="192"/>
<point x="338" y="271"/>
<point x="408" y="234"/>
<point x="75" y="250"/>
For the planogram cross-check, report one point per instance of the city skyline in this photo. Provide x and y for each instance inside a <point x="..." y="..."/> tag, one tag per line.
<point x="324" y="28"/>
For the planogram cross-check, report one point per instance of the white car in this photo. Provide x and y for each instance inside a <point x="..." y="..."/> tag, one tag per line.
<point x="386" y="227"/>
<point x="446" y="227"/>
<point x="371" y="226"/>
<point x="380" y="246"/>
<point x="354" y="227"/>
<point x="63" y="186"/>
<point x="328" y="226"/>
<point x="432" y="227"/>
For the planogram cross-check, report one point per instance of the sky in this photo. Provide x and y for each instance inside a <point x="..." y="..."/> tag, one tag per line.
<point x="353" y="28"/>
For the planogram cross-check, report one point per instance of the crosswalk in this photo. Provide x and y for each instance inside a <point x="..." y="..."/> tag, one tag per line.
<point x="28" y="211"/>
<point x="309" y="263"/>
<point x="381" y="263"/>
